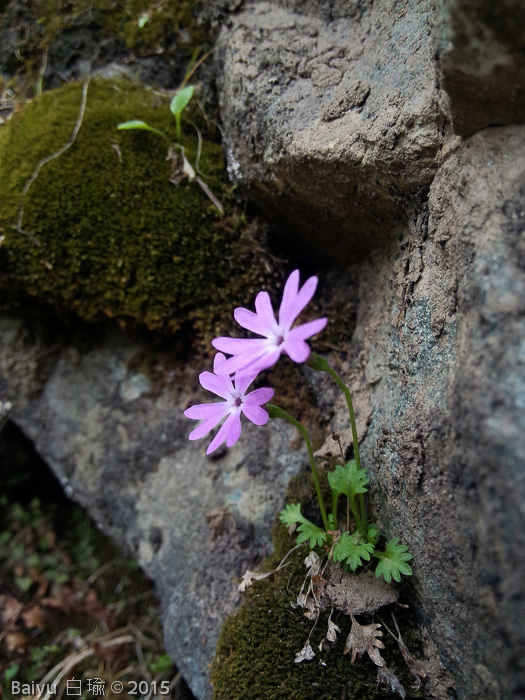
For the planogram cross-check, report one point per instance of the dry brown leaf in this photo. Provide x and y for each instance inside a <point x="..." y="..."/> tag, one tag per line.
<point x="331" y="635"/>
<point x="9" y="609"/>
<point x="357" y="594"/>
<point x="34" y="617"/>
<point x="389" y="679"/>
<point x="416" y="667"/>
<point x="364" y="639"/>
<point x="16" y="641"/>
<point x="306" y="654"/>
<point x="249" y="578"/>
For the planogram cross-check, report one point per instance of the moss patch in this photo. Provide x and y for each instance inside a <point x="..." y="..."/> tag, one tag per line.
<point x="111" y="236"/>
<point x="258" y="643"/>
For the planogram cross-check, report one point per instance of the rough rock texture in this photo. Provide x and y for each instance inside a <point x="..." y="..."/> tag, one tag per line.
<point x="116" y="438"/>
<point x="481" y="51"/>
<point x="331" y="117"/>
<point x="440" y="341"/>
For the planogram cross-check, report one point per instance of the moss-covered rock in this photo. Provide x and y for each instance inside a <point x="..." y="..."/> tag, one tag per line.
<point x="258" y="643"/>
<point x="110" y="235"/>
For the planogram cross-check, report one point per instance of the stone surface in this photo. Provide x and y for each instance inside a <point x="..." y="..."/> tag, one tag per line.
<point x="117" y="439"/>
<point x="439" y="344"/>
<point x="481" y="52"/>
<point x="331" y="117"/>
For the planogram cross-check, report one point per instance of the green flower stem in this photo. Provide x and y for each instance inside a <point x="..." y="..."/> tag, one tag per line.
<point x="361" y="524"/>
<point x="320" y="363"/>
<point x="335" y="499"/>
<point x="276" y="412"/>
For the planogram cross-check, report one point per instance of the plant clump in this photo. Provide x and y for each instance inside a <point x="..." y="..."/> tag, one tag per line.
<point x="104" y="232"/>
<point x="259" y="646"/>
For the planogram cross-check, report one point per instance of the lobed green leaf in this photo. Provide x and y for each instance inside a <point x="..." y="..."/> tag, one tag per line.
<point x="291" y="514"/>
<point x="348" y="480"/>
<point x="393" y="561"/>
<point x="310" y="532"/>
<point x="352" y="550"/>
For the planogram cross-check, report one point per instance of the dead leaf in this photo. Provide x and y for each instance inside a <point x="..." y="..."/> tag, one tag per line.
<point x="364" y="639"/>
<point x="331" y="635"/>
<point x="389" y="679"/>
<point x="9" y="609"/>
<point x="416" y="667"/>
<point x="249" y="578"/>
<point x="34" y="617"/>
<point x="306" y="654"/>
<point x="16" y="641"/>
<point x="357" y="594"/>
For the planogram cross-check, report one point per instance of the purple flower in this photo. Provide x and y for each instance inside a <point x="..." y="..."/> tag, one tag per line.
<point x="250" y="356"/>
<point x="236" y="401"/>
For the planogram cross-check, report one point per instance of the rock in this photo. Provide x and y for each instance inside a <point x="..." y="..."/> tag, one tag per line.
<point x="331" y="118"/>
<point x="481" y="53"/>
<point x="116" y="437"/>
<point x="440" y="338"/>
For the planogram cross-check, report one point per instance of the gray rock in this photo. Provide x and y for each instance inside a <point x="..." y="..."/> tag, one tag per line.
<point x="481" y="51"/>
<point x="439" y="345"/>
<point x="117" y="440"/>
<point x="331" y="116"/>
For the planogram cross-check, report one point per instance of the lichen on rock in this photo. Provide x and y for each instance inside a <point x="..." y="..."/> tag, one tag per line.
<point x="110" y="235"/>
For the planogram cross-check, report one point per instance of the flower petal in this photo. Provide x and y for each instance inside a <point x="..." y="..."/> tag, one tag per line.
<point x="289" y="294"/>
<point x="255" y="413"/>
<point x="234" y="346"/>
<point x="202" y="411"/>
<point x="205" y="427"/>
<point x="242" y="383"/>
<point x="259" y="396"/>
<point x="221" y="436"/>
<point x="235" y="430"/>
<point x="218" y="360"/>
<point x="221" y="386"/>
<point x="243" y="365"/>
<point x="264" y="309"/>
<point x="289" y="312"/>
<point x="306" y="330"/>
<point x="297" y="350"/>
<point x="250" y="321"/>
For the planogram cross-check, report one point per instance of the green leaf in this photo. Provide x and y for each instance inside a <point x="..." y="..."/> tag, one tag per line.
<point x="352" y="549"/>
<point x="393" y="561"/>
<point x="373" y="534"/>
<point x="24" y="583"/>
<point x="138" y="124"/>
<point x="348" y="480"/>
<point x="291" y="514"/>
<point x="11" y="672"/>
<point x="181" y="98"/>
<point x="310" y="532"/>
<point x="307" y="530"/>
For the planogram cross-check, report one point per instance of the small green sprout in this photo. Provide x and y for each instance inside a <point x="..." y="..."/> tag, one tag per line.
<point x="183" y="168"/>
<point x="178" y="104"/>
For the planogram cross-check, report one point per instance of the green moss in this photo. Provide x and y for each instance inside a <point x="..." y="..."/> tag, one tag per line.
<point x="258" y="643"/>
<point x="111" y="236"/>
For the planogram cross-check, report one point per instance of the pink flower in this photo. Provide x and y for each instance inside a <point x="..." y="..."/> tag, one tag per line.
<point x="250" y="356"/>
<point x="236" y="401"/>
